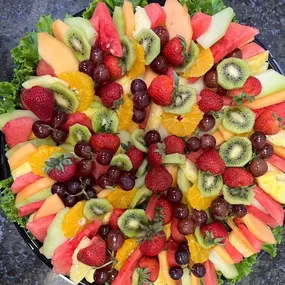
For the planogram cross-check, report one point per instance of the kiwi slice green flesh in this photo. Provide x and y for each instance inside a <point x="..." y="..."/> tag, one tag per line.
<point x="105" y="121"/>
<point x="75" y="38"/>
<point x="184" y="99"/>
<point x="238" y="120"/>
<point x="77" y="133"/>
<point x="232" y="73"/>
<point x="208" y="184"/>
<point x="174" y="158"/>
<point x="236" y="152"/>
<point x="129" y="51"/>
<point x="119" y="20"/>
<point x="241" y="195"/>
<point x="65" y="99"/>
<point x="141" y="196"/>
<point x="132" y="221"/>
<point x="122" y="161"/>
<point x="142" y="169"/>
<point x="138" y="140"/>
<point x="96" y="208"/>
<point x="183" y="183"/>
<point x="150" y="42"/>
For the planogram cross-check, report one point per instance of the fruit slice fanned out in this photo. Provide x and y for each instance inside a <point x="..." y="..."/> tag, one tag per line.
<point x="156" y="14"/>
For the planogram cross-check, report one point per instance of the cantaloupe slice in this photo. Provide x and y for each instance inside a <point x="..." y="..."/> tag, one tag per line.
<point x="164" y="268"/>
<point x="21" y="155"/>
<point x="59" y="28"/>
<point x="224" y="254"/>
<point x="226" y="135"/>
<point x="129" y="17"/>
<point x="218" y="136"/>
<point x="280" y="151"/>
<point x="178" y="21"/>
<point x="149" y="76"/>
<point x="173" y="171"/>
<point x="195" y="280"/>
<point x="56" y="54"/>
<point x="34" y="188"/>
<point x="51" y="206"/>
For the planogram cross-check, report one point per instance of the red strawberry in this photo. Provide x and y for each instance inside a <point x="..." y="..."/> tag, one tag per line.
<point x="136" y="156"/>
<point x="43" y="68"/>
<point x="173" y="144"/>
<point x="174" y="51"/>
<point x="40" y="101"/>
<point x="155" y="154"/>
<point x="237" y="177"/>
<point x="114" y="218"/>
<point x="154" y="244"/>
<point x="102" y="140"/>
<point x="269" y="123"/>
<point x="61" y="168"/>
<point x="152" y="266"/>
<point x="210" y="101"/>
<point x="77" y="118"/>
<point x="211" y="161"/>
<point x="151" y="207"/>
<point x="252" y="87"/>
<point x="158" y="179"/>
<point x="94" y="254"/>
<point x="115" y="66"/>
<point x="164" y="209"/>
<point x="111" y="94"/>
<point x="161" y="90"/>
<point x="278" y="109"/>
<point x="214" y="233"/>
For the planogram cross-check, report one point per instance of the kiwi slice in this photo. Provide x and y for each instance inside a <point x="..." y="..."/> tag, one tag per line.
<point x="96" y="208"/>
<point x="76" y="39"/>
<point x="142" y="169"/>
<point x="141" y="195"/>
<point x="65" y="99"/>
<point x="140" y="182"/>
<point x="190" y="58"/>
<point x="138" y="140"/>
<point x="238" y="120"/>
<point x="208" y="241"/>
<point x="208" y="184"/>
<point x="184" y="99"/>
<point x="105" y="121"/>
<point x="122" y="161"/>
<point x="183" y="183"/>
<point x="240" y="195"/>
<point x="132" y="221"/>
<point x="232" y="73"/>
<point x="78" y="133"/>
<point x="119" y="20"/>
<point x="174" y="158"/>
<point x="129" y="51"/>
<point x="236" y="152"/>
<point x="150" y="42"/>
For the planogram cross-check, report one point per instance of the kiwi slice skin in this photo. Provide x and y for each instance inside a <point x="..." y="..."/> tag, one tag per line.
<point x="75" y="38"/>
<point x="105" y="121"/>
<point x="129" y="49"/>
<point x="78" y="133"/>
<point x="174" y="158"/>
<point x="184" y="99"/>
<point x="238" y="120"/>
<point x="232" y="73"/>
<point x="235" y="196"/>
<point x="138" y="140"/>
<point x="122" y="161"/>
<point x="66" y="100"/>
<point x="201" y="239"/>
<point x="150" y="42"/>
<point x="209" y="185"/>
<point x="131" y="221"/>
<point x="141" y="195"/>
<point x="236" y="152"/>
<point x="96" y="208"/>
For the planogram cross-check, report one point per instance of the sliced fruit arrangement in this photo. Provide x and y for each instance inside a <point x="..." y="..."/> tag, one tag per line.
<point x="151" y="148"/>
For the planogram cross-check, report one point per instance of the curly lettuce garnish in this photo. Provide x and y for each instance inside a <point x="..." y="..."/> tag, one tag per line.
<point x="8" y="97"/>
<point x="272" y="248"/>
<point x="44" y="24"/>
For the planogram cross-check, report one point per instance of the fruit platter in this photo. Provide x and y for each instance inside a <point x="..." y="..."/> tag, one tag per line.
<point x="145" y="144"/>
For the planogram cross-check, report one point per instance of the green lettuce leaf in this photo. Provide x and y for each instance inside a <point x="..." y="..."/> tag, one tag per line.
<point x="8" y="97"/>
<point x="87" y="14"/>
<point x="44" y="24"/>
<point x="272" y="248"/>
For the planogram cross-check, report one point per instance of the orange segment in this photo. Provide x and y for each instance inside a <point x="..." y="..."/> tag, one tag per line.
<point x="121" y="199"/>
<point x="82" y="85"/>
<point x="139" y="65"/>
<point x="198" y="253"/>
<point x="38" y="158"/>
<point x="125" y="250"/>
<point x="74" y="221"/>
<point x="182" y="125"/>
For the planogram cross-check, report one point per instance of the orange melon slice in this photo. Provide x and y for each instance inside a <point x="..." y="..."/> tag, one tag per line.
<point x="129" y="17"/>
<point x="173" y="170"/>
<point x="149" y="76"/>
<point x="226" y="135"/>
<point x="218" y="136"/>
<point x="239" y="245"/>
<point x="280" y="151"/>
<point x="194" y="280"/>
<point x="164" y="268"/>
<point x="224" y="254"/>
<point x="59" y="28"/>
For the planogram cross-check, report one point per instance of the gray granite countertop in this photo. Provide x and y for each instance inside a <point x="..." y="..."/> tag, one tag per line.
<point x="18" y="264"/>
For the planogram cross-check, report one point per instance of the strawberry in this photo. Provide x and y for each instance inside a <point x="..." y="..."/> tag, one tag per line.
<point x="278" y="109"/>
<point x="136" y="156"/>
<point x="151" y="207"/>
<point x="214" y="233"/>
<point x="94" y="254"/>
<point x="115" y="66"/>
<point x="158" y="179"/>
<point x="211" y="161"/>
<point x="155" y="154"/>
<point x="210" y="101"/>
<point x="43" y="68"/>
<point x="251" y="87"/>
<point x="174" y="51"/>
<point x="237" y="177"/>
<point x="151" y="266"/>
<point x="161" y="90"/>
<point x="40" y="101"/>
<point x="102" y="140"/>
<point x="111" y="95"/>
<point x="164" y="210"/>
<point x="114" y="218"/>
<point x="62" y="168"/>
<point x="173" y="144"/>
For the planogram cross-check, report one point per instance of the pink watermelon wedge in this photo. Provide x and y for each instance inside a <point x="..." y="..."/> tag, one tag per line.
<point x="234" y="253"/>
<point x="156" y="14"/>
<point x="234" y="37"/>
<point x="17" y="130"/>
<point x="250" y="50"/>
<point x="257" y="244"/>
<point x="200" y="24"/>
<point x="266" y="218"/>
<point x="77" y="118"/>
<point x="39" y="228"/>
<point x="30" y="208"/>
<point x="211" y="275"/>
<point x="108" y="36"/>
<point x="62" y="258"/>
<point x="277" y="162"/>
<point x="24" y="180"/>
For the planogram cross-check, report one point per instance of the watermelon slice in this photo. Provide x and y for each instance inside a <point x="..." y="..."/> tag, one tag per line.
<point x="43" y="68"/>
<point x="151" y="207"/>
<point x="193" y="156"/>
<point x="107" y="33"/>
<point x="77" y="118"/>
<point x="24" y="180"/>
<point x="266" y="218"/>
<point x="250" y="50"/>
<point x="18" y="130"/>
<point x="176" y="235"/>
<point x="30" y="208"/>
<point x="114" y="218"/>
<point x="172" y="247"/>
<point x="277" y="162"/>
<point x="233" y="252"/>
<point x="39" y="228"/>
<point x="211" y="276"/>
<point x="156" y="14"/>
<point x="257" y="244"/>
<point x="200" y="24"/>
<point x="234" y="37"/>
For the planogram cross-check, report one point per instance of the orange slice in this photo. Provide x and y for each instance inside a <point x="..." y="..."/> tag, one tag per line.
<point x="125" y="250"/>
<point x="121" y="199"/>
<point x="74" y="221"/>
<point x="198" y="253"/>
<point x="139" y="65"/>
<point x="182" y="125"/>
<point x="82" y="85"/>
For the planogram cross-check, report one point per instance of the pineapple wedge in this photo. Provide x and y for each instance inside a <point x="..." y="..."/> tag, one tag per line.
<point x="154" y="118"/>
<point x="278" y="139"/>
